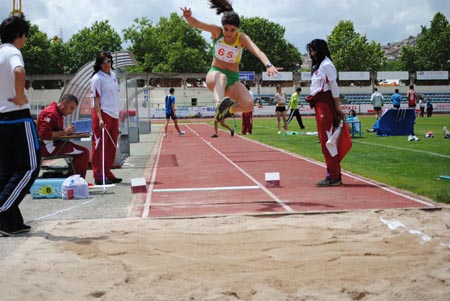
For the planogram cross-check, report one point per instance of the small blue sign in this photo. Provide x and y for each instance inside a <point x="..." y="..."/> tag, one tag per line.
<point x="145" y="91"/>
<point x="246" y="75"/>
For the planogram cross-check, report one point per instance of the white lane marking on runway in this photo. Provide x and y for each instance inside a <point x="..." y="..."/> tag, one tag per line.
<point x="404" y="149"/>
<point x="350" y="175"/>
<point x="207" y="189"/>
<point x="63" y="210"/>
<point x="148" y="199"/>
<point x="267" y="191"/>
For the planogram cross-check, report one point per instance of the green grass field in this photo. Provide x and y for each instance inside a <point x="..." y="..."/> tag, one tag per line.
<point x="412" y="166"/>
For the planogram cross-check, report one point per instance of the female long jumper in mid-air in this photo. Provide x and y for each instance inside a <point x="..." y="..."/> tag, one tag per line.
<point x="229" y="43"/>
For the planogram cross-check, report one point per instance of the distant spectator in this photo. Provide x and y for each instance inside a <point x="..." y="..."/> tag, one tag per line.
<point x="421" y="106"/>
<point x="412" y="97"/>
<point x="280" y="108"/>
<point x="396" y="99"/>
<point x="171" y="113"/>
<point x="429" y="106"/>
<point x="293" y="105"/>
<point x="352" y="122"/>
<point x="247" y="118"/>
<point x="377" y="101"/>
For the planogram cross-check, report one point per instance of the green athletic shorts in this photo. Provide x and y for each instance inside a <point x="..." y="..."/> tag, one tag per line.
<point x="232" y="76"/>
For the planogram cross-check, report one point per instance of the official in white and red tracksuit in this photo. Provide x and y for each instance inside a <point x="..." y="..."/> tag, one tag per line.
<point x="105" y="114"/>
<point x="324" y="97"/>
<point x="50" y="126"/>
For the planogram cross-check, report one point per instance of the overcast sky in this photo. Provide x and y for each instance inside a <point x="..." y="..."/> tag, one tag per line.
<point x="383" y="21"/>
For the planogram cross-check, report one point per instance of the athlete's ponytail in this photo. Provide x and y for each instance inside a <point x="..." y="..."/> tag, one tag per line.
<point x="221" y="6"/>
<point x="229" y="15"/>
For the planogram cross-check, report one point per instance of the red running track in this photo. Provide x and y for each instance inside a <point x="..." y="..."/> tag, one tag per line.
<point x="196" y="175"/>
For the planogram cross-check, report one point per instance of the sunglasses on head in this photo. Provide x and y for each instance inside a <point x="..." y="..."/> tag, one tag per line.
<point x="107" y="61"/>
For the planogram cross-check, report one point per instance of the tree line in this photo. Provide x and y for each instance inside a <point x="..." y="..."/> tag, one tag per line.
<point x="171" y="45"/>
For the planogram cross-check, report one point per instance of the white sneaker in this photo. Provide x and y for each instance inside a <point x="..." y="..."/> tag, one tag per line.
<point x="416" y="138"/>
<point x="181" y="133"/>
<point x="166" y="136"/>
<point x="410" y="138"/>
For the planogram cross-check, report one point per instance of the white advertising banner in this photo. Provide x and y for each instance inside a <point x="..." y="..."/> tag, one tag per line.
<point x="354" y="75"/>
<point x="432" y="75"/>
<point x="281" y="76"/>
<point x="398" y="75"/>
<point x="306" y="75"/>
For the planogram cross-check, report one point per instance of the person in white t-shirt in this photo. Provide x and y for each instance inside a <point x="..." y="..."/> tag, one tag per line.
<point x="20" y="155"/>
<point x="324" y="98"/>
<point x="280" y="109"/>
<point x="377" y="101"/>
<point x="105" y="92"/>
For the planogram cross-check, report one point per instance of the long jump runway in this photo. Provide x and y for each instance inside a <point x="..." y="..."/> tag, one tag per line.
<point x="196" y="175"/>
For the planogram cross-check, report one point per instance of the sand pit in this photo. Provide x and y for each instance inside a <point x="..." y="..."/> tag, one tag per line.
<point x="362" y="255"/>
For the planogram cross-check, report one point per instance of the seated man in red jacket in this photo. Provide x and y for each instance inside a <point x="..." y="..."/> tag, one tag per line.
<point x="50" y="127"/>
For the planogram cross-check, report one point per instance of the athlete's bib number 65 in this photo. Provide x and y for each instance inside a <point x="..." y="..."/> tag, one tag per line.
<point x="227" y="54"/>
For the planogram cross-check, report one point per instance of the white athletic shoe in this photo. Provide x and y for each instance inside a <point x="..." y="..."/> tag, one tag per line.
<point x="182" y="133"/>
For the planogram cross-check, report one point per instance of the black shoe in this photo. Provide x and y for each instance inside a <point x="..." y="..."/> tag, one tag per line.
<point x="328" y="182"/>
<point x="116" y="180"/>
<point x="222" y="111"/>
<point x="215" y="136"/>
<point x="107" y="182"/>
<point x="21" y="229"/>
<point x="232" y="132"/>
<point x="25" y="227"/>
<point x="5" y="232"/>
<point x="10" y="232"/>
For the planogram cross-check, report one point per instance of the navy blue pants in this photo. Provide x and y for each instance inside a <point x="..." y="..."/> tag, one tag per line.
<point x="20" y="159"/>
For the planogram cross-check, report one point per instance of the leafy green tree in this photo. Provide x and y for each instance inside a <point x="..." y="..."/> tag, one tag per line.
<point x="269" y="37"/>
<point x="38" y="54"/>
<point x="393" y="65"/>
<point x="432" y="51"/>
<point x="408" y="61"/>
<point x="84" y="45"/>
<point x="58" y="55"/>
<point x="142" y="37"/>
<point x="170" y="46"/>
<point x="351" y="51"/>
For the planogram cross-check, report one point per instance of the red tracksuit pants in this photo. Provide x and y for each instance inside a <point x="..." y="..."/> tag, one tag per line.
<point x="110" y="141"/>
<point x="326" y="120"/>
<point x="79" y="154"/>
<point x="247" y="123"/>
